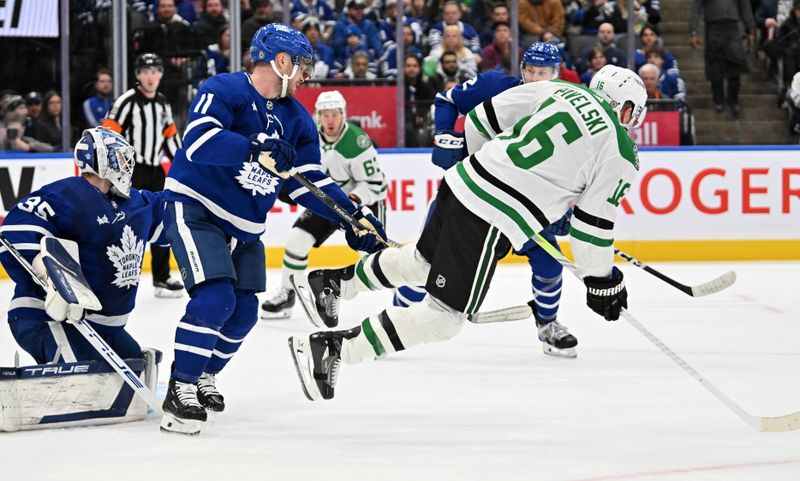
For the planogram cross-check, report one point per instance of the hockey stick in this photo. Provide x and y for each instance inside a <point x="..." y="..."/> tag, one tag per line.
<point x="715" y="285"/>
<point x="88" y="332"/>
<point x="788" y="422"/>
<point x="325" y="198"/>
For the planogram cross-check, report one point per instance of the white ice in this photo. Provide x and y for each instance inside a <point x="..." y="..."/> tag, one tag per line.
<point x="487" y="405"/>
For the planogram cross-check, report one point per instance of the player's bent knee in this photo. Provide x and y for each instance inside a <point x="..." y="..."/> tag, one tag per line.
<point x="244" y="316"/>
<point x="434" y="320"/>
<point x="212" y="302"/>
<point x="404" y="265"/>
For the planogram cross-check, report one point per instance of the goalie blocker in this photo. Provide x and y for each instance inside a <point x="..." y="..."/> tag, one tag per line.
<point x="62" y="395"/>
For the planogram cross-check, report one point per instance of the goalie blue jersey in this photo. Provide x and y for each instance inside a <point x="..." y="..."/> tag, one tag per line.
<point x="466" y="96"/>
<point x="111" y="233"/>
<point x="212" y="168"/>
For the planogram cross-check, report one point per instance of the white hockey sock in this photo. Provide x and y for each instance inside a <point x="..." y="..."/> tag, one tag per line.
<point x="387" y="269"/>
<point x="295" y="260"/>
<point x="398" y="328"/>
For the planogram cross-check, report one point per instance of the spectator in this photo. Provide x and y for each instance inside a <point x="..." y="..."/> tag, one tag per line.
<point x="184" y="8"/>
<point x="793" y="103"/>
<point x="452" y="41"/>
<point x="653" y="9"/>
<point x="672" y="86"/>
<point x="417" y="13"/>
<point x="597" y="61"/>
<point x="605" y="40"/>
<point x="498" y="54"/>
<point x="388" y="64"/>
<point x="211" y="22"/>
<point x="323" y="54"/>
<point x="355" y="43"/>
<point x="355" y="16"/>
<point x="15" y="137"/>
<point x="499" y="14"/>
<point x="539" y="16"/>
<point x="359" y="66"/>
<point x="639" y="16"/>
<point x="447" y="69"/>
<point x="48" y="128"/>
<point x="219" y="53"/>
<point x="649" y="74"/>
<point x="785" y="45"/>
<point x="600" y="12"/>
<point x="263" y="14"/>
<point x="96" y="107"/>
<point x="33" y="101"/>
<point x="724" y="53"/>
<point x="419" y="97"/>
<point x="318" y="9"/>
<point x="451" y="17"/>
<point x="566" y="59"/>
<point x="650" y="37"/>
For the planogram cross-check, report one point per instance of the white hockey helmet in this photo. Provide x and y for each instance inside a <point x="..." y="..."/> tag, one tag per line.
<point x="618" y="86"/>
<point x="332" y="99"/>
<point x="108" y="155"/>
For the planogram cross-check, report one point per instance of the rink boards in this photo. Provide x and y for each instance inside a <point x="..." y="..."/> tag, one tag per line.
<point x="687" y="204"/>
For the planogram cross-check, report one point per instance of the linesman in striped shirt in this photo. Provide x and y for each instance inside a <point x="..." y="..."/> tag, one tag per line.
<point x="144" y="117"/>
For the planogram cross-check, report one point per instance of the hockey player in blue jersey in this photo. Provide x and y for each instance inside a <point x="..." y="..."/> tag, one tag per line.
<point x="243" y="129"/>
<point x="540" y="62"/>
<point x="111" y="222"/>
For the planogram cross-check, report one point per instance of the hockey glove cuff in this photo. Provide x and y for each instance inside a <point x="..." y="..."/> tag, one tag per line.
<point x="607" y="296"/>
<point x="274" y="155"/>
<point x="365" y="240"/>
<point x="448" y="148"/>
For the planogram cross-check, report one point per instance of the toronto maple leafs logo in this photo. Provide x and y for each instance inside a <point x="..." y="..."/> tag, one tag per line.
<point x="127" y="259"/>
<point x="255" y="179"/>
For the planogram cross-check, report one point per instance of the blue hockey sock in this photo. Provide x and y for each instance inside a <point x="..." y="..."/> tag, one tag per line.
<point x="405" y="296"/>
<point x="234" y="331"/>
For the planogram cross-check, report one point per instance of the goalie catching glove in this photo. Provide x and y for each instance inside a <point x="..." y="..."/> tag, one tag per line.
<point x="365" y="240"/>
<point x="275" y="155"/>
<point x="607" y="296"/>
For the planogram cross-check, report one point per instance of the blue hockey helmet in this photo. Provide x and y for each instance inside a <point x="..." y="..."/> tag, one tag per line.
<point x="541" y="54"/>
<point x="274" y="38"/>
<point x="108" y="155"/>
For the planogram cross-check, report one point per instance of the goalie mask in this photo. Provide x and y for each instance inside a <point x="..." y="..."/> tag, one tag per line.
<point x="108" y="155"/>
<point x="618" y="86"/>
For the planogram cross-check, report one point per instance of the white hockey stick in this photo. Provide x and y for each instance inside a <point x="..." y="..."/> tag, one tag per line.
<point x="788" y="422"/>
<point x="94" y="339"/>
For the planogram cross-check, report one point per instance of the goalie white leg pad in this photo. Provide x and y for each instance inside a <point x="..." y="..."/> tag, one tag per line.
<point x="398" y="328"/>
<point x="175" y="425"/>
<point x="392" y="267"/>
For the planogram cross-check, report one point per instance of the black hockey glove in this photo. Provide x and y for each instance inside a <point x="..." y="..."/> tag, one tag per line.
<point x="448" y="148"/>
<point x="561" y="226"/>
<point x="366" y="242"/>
<point x="607" y="296"/>
<point x="281" y="158"/>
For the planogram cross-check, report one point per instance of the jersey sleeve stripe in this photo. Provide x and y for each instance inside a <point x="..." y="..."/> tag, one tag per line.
<point x="308" y="168"/>
<point x="513" y="193"/>
<point x="491" y="116"/>
<point x="26" y="303"/>
<point x="199" y="142"/>
<point x="26" y="228"/>
<point x="590" y="239"/>
<point x="591" y="220"/>
<point x="473" y="116"/>
<point x="24" y="246"/>
<point x="200" y="121"/>
<point x="238" y="222"/>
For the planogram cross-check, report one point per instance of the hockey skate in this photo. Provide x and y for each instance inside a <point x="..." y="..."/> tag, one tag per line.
<point x="183" y="413"/>
<point x="316" y="359"/>
<point x="171" y="288"/>
<point x="320" y="294"/>
<point x="208" y="395"/>
<point x="556" y="340"/>
<point x="279" y="306"/>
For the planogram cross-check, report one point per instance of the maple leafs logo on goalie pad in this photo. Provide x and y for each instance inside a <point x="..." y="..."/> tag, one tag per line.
<point x="127" y="259"/>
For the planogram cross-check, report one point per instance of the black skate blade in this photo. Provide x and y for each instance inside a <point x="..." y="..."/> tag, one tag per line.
<point x="568" y="352"/>
<point x="306" y="297"/>
<point x="301" y="352"/>
<point x="271" y="315"/>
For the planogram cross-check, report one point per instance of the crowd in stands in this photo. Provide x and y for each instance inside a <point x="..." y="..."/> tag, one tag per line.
<point x="778" y="25"/>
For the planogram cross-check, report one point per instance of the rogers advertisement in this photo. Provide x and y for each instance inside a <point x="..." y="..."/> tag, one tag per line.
<point x="375" y="109"/>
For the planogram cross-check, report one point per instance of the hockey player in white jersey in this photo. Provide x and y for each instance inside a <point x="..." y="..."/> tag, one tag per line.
<point x="352" y="162"/>
<point x="574" y="149"/>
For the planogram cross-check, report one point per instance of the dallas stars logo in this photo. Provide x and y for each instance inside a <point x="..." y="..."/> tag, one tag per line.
<point x="127" y="259"/>
<point x="255" y="179"/>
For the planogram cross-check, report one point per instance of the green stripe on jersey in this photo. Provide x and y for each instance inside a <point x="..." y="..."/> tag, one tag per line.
<point x="481" y="129"/>
<point x="583" y="236"/>
<point x="494" y="201"/>
<point x="366" y="326"/>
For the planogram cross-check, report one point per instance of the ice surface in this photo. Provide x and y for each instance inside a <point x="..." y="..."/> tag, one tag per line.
<point x="487" y="405"/>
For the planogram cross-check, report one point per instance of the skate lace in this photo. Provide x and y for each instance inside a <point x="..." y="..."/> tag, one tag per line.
<point x="187" y="394"/>
<point x="281" y="296"/>
<point x="207" y="385"/>
<point x="555" y="331"/>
